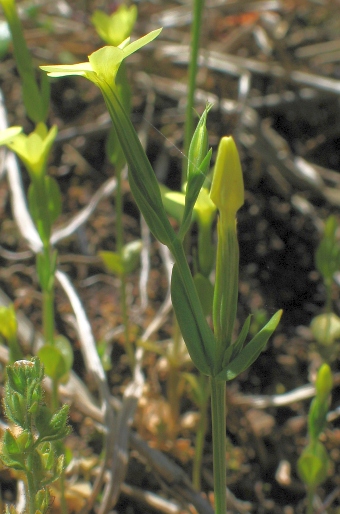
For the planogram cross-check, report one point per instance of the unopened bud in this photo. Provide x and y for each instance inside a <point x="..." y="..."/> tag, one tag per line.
<point x="227" y="189"/>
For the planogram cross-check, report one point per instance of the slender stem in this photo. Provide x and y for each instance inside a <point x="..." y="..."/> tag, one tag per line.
<point x="120" y="248"/>
<point x="310" y="500"/>
<point x="48" y="296"/>
<point x="195" y="36"/>
<point x="48" y="316"/>
<point x="199" y="446"/>
<point x="31" y="492"/>
<point x="173" y="380"/>
<point x="63" y="504"/>
<point x="218" y="413"/>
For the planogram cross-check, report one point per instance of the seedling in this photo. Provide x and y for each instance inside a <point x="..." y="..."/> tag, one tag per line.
<point x="114" y="30"/>
<point x="30" y="446"/>
<point x="326" y="326"/>
<point x="314" y="462"/>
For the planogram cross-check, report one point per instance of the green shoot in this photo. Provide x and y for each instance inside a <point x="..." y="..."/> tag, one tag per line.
<point x="32" y="449"/>
<point x="314" y="463"/>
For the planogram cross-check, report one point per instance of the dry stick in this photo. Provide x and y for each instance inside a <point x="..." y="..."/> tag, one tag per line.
<point x="94" y="366"/>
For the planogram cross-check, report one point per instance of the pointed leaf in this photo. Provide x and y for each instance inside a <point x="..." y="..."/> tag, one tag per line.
<point x="238" y="344"/>
<point x="53" y="361"/>
<point x="112" y="261"/>
<point x="53" y="198"/>
<point x="253" y="349"/>
<point x="193" y="189"/>
<point x="131" y="255"/>
<point x="205" y="291"/>
<point x="188" y="321"/>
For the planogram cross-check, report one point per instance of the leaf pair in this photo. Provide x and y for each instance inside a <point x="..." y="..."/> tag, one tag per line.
<point x="237" y="357"/>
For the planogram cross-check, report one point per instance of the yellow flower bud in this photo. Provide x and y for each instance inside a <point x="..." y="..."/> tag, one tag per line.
<point x="227" y="190"/>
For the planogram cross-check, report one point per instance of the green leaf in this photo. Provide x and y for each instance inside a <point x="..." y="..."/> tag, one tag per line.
<point x="324" y="382"/>
<point x="237" y="345"/>
<point x="11" y="454"/>
<point x="317" y="417"/>
<point x="52" y="427"/>
<point x="59" y="466"/>
<point x="38" y="211"/>
<point x="59" y="423"/>
<point x="251" y="351"/>
<point x="53" y="197"/>
<point x="126" y="263"/>
<point x="46" y="266"/>
<point x="131" y="255"/>
<point x="53" y="360"/>
<point x="314" y="464"/>
<point x="193" y="325"/>
<point x="10" y="444"/>
<point x="192" y="192"/>
<point x="205" y="291"/>
<point x="65" y="348"/>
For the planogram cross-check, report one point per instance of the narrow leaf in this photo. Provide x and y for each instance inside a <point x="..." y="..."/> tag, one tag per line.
<point x="188" y="323"/>
<point x="238" y="344"/>
<point x="253" y="349"/>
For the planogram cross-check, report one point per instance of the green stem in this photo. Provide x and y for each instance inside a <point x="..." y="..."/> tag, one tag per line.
<point x="199" y="447"/>
<point x="120" y="247"/>
<point x="173" y="380"/>
<point x="31" y="492"/>
<point x="310" y="500"/>
<point x="63" y="504"/>
<point x="328" y="306"/>
<point x="218" y="413"/>
<point x="48" y="316"/>
<point x="195" y="36"/>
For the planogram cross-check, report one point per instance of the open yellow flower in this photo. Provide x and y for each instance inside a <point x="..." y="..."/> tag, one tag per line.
<point x="104" y="63"/>
<point x="33" y="149"/>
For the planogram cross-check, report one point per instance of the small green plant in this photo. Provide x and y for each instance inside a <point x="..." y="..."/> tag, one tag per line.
<point x="44" y="200"/>
<point x="326" y="326"/>
<point x="214" y="353"/>
<point x="314" y="463"/>
<point x="114" y="29"/>
<point x="31" y="445"/>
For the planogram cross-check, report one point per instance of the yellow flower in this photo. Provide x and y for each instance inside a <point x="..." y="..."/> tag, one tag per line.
<point x="115" y="28"/>
<point x="227" y="189"/>
<point x="104" y="63"/>
<point x="34" y="149"/>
